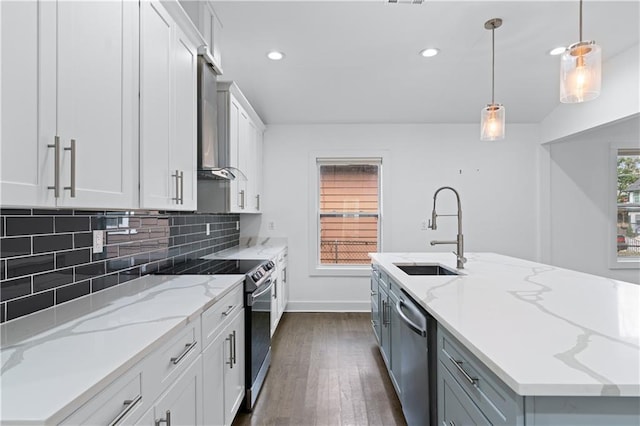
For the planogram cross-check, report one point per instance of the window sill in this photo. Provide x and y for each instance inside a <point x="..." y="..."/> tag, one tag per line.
<point x="340" y="271"/>
<point x="625" y="264"/>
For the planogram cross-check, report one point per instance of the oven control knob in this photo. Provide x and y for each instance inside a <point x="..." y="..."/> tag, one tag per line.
<point x="256" y="276"/>
<point x="269" y="266"/>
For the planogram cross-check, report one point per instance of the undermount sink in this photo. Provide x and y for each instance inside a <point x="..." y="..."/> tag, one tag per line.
<point x="425" y="269"/>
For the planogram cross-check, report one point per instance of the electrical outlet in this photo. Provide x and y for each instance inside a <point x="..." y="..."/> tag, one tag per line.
<point x="425" y="225"/>
<point x="98" y="241"/>
<point x="208" y="229"/>
<point x="272" y="226"/>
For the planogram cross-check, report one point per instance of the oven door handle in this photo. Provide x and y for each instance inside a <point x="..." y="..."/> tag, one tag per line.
<point x="269" y="285"/>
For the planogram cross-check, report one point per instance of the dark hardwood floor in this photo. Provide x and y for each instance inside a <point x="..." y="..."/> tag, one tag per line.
<point x="326" y="369"/>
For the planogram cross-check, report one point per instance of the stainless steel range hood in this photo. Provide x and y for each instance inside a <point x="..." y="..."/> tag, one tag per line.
<point x="212" y="153"/>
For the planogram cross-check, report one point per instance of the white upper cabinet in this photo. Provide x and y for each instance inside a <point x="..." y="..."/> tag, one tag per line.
<point x="204" y="17"/>
<point x="240" y="130"/>
<point x="69" y="104"/>
<point x="168" y="61"/>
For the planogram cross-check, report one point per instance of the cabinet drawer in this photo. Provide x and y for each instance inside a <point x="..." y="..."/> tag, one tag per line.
<point x="497" y="402"/>
<point x="214" y="318"/>
<point x="167" y="362"/>
<point x="455" y="407"/>
<point x="120" y="403"/>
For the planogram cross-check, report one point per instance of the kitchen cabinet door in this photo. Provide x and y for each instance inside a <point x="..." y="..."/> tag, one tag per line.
<point x="26" y="167"/>
<point x="213" y="362"/>
<point x="52" y="91"/>
<point x="184" y="147"/>
<point x="168" y="112"/>
<point x="97" y="85"/>
<point x="223" y="373"/>
<point x="234" y="375"/>
<point x="181" y="404"/>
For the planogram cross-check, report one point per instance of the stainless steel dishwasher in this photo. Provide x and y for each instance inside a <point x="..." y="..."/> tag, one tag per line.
<point x="418" y="363"/>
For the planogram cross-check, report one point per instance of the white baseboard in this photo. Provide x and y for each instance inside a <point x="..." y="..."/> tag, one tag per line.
<point x="328" y="306"/>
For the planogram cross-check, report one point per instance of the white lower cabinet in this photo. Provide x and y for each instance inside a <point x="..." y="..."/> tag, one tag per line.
<point x="195" y="377"/>
<point x="280" y="292"/>
<point x="223" y="373"/>
<point x="181" y="404"/>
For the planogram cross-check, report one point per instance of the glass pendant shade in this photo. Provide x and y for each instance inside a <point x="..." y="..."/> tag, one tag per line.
<point x="492" y="122"/>
<point x="580" y="72"/>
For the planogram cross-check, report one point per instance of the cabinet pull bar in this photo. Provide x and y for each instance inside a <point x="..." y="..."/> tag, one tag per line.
<point x="228" y="311"/>
<point x="56" y="166"/>
<point x="166" y="420"/>
<point x="177" y="197"/>
<point x="472" y="380"/>
<point x="128" y="405"/>
<point x="230" y="362"/>
<point x="72" y="186"/>
<point x="181" y="187"/>
<point x="233" y="356"/>
<point x="242" y="199"/>
<point x="187" y="348"/>
<point x="258" y="202"/>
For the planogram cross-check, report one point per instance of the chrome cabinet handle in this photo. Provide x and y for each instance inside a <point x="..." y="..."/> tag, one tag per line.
<point x="228" y="311"/>
<point x="472" y="380"/>
<point x="230" y="340"/>
<point x="384" y="313"/>
<point x="128" y="405"/>
<point x="275" y="289"/>
<point x="166" y="420"/>
<point x="284" y="274"/>
<point x="187" y="348"/>
<point x="233" y="356"/>
<point x="373" y="293"/>
<point x="181" y="187"/>
<point x="72" y="186"/>
<point x="242" y="198"/>
<point x="258" y="202"/>
<point x="56" y="166"/>
<point x="177" y="176"/>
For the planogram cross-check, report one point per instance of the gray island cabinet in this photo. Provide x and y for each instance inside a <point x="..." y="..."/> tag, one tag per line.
<point x="518" y="342"/>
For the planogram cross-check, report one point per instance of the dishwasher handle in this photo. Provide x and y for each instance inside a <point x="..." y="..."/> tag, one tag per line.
<point x="422" y="331"/>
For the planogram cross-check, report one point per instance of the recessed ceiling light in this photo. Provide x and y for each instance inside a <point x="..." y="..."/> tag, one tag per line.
<point x="557" y="51"/>
<point x="274" y="55"/>
<point x="429" y="52"/>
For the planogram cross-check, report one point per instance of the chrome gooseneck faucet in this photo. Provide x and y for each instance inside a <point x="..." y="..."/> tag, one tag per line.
<point x="459" y="242"/>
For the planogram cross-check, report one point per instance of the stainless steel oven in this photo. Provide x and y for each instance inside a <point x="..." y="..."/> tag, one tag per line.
<point x="258" y="284"/>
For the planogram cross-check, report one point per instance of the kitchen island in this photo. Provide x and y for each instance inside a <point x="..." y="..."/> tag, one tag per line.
<point x="564" y="344"/>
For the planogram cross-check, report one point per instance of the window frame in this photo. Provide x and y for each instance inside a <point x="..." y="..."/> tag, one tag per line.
<point x="615" y="262"/>
<point x="382" y="158"/>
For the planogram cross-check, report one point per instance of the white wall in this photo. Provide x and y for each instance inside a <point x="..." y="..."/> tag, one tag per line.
<point x="497" y="182"/>
<point x="620" y="98"/>
<point x="579" y="196"/>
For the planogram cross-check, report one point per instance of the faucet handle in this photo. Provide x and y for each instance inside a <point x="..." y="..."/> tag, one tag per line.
<point x="462" y="258"/>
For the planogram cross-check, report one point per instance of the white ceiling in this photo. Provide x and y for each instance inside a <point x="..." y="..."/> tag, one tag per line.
<point x="358" y="62"/>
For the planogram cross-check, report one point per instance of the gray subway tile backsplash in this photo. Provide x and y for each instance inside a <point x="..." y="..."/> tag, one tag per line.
<point x="47" y="255"/>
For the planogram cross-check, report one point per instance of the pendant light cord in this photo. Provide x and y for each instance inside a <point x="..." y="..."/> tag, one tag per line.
<point x="580" y="39"/>
<point x="493" y="63"/>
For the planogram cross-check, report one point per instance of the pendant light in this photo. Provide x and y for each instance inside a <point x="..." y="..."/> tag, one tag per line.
<point x="580" y="70"/>
<point x="492" y="116"/>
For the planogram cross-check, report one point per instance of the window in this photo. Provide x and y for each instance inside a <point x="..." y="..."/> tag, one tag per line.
<point x="348" y="214"/>
<point x="628" y="205"/>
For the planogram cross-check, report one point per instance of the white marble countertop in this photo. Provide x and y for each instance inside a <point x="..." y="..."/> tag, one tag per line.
<point x="543" y="330"/>
<point x="259" y="248"/>
<point x="53" y="359"/>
